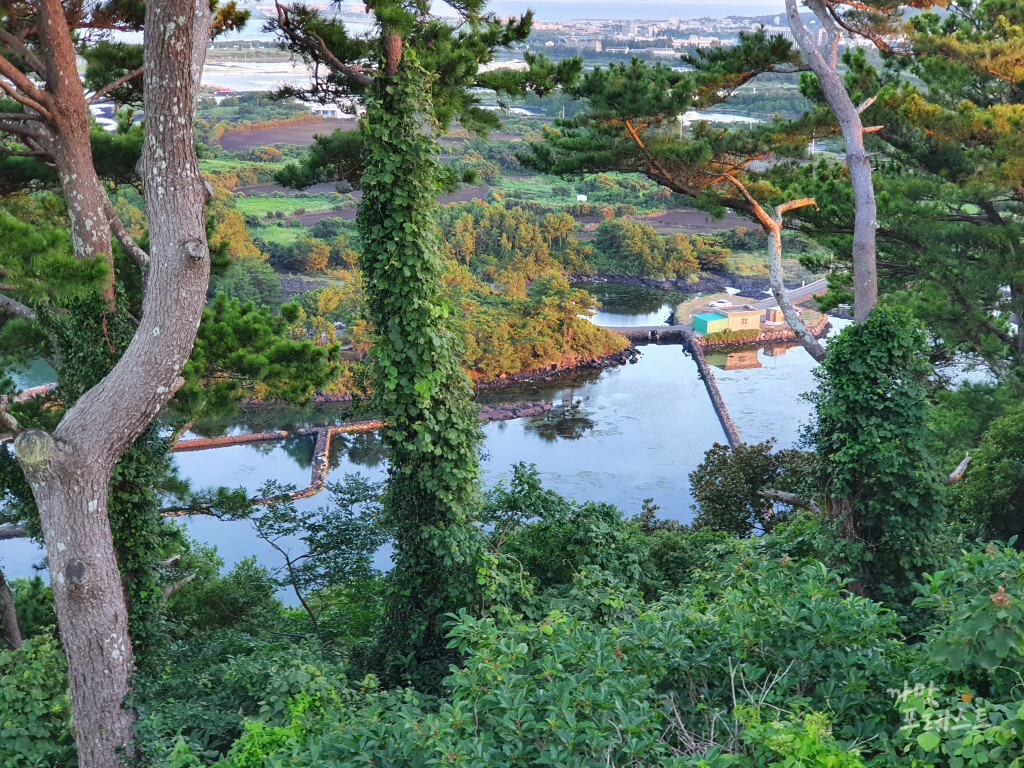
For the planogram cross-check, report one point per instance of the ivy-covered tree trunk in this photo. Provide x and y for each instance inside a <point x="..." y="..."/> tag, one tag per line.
<point x="10" y="632"/>
<point x="883" y="488"/>
<point x="417" y="380"/>
<point x="69" y="470"/>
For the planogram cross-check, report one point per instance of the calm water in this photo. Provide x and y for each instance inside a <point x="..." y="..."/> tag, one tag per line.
<point x="619" y="435"/>
<point x="35" y="375"/>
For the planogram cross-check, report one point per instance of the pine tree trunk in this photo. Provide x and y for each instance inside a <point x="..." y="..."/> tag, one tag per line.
<point x="71" y="493"/>
<point x="66" y="139"/>
<point x="811" y="344"/>
<point x="865" y="222"/>
<point x="10" y="632"/>
<point x="69" y="472"/>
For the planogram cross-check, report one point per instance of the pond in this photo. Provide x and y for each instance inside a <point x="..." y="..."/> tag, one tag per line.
<point x="619" y="435"/>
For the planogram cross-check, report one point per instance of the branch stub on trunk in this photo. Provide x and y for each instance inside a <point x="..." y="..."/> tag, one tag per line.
<point x="34" y="449"/>
<point x="75" y="574"/>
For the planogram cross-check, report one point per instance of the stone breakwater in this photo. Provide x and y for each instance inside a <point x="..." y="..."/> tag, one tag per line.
<point x="203" y="443"/>
<point x="728" y="426"/>
<point x="323" y="435"/>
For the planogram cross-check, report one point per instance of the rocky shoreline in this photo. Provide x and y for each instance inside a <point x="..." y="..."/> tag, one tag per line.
<point x="706" y="283"/>
<point x="629" y="355"/>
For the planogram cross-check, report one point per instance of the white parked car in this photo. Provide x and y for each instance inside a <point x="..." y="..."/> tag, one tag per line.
<point x="721" y="303"/>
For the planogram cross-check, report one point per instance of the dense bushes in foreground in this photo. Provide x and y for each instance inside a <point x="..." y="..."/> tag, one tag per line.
<point x="762" y="659"/>
<point x="753" y="656"/>
<point x="594" y="640"/>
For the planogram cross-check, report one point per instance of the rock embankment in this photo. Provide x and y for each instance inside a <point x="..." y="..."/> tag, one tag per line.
<point x="717" y="401"/>
<point x="547" y="373"/>
<point x="498" y="412"/>
<point x="323" y="435"/>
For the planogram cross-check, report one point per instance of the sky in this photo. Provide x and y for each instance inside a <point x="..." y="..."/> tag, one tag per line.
<point x="560" y="10"/>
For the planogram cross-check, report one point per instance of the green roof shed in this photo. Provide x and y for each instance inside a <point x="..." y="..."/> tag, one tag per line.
<point x="710" y="322"/>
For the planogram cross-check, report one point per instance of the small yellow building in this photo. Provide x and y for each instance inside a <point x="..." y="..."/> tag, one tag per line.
<point x="743" y="318"/>
<point x="774" y="315"/>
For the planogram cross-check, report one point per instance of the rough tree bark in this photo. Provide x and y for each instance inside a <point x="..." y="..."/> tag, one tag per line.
<point x="69" y="470"/>
<point x="10" y="633"/>
<point x="865" y="274"/>
<point x="65" y="138"/>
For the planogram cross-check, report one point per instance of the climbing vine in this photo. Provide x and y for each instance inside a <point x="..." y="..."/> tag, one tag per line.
<point x="88" y="340"/>
<point x="431" y="431"/>
<point x="870" y="434"/>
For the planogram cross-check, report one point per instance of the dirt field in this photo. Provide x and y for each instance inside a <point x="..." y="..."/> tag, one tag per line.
<point x="695" y="222"/>
<point x="688" y="222"/>
<point x="462" y="196"/>
<point x="268" y="189"/>
<point x="300" y="135"/>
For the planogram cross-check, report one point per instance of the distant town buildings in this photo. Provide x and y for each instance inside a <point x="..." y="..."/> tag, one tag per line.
<point x="656" y="38"/>
<point x="629" y="37"/>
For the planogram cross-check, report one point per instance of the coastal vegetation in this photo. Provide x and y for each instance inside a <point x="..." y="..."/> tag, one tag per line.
<point x="852" y="601"/>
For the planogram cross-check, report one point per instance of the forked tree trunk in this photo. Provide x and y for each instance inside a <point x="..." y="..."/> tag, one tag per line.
<point x="795" y="322"/>
<point x="69" y="471"/>
<point x="771" y="223"/>
<point x="70" y="490"/>
<point x="865" y="222"/>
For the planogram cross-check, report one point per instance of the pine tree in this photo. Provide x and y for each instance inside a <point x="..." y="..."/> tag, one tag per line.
<point x="947" y="168"/>
<point x="824" y="63"/>
<point x="69" y="467"/>
<point x="414" y="78"/>
<point x="629" y="127"/>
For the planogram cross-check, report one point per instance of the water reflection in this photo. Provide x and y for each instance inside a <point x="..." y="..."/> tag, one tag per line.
<point x="626" y="305"/>
<point x="567" y="420"/>
<point x="364" y="449"/>
<point x="299" y="449"/>
<point x="619" y="435"/>
<point x="736" y="360"/>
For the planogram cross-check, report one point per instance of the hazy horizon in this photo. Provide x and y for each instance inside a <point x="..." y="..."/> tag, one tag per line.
<point x="563" y="10"/>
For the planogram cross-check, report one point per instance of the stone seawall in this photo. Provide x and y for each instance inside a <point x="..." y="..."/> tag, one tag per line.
<point x="731" y="433"/>
<point x="323" y="435"/>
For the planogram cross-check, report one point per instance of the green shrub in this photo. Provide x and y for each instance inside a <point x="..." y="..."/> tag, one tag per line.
<point x="35" y="712"/>
<point x="735" y="671"/>
<point x="210" y="685"/>
<point x="732" y="336"/>
<point x="33" y="605"/>
<point x="978" y="642"/>
<point x="991" y="495"/>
